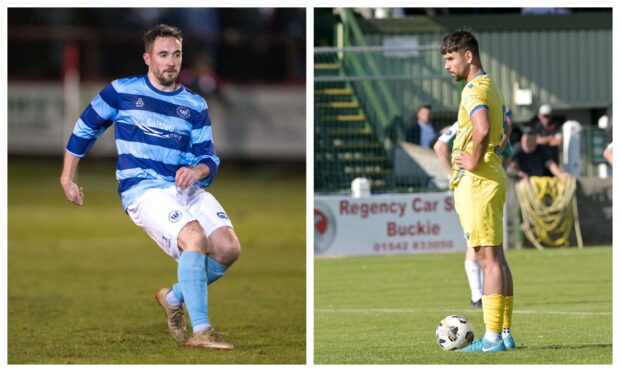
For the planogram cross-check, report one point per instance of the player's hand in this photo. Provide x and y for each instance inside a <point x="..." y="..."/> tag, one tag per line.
<point x="73" y="192"/>
<point x="186" y="176"/>
<point x="464" y="160"/>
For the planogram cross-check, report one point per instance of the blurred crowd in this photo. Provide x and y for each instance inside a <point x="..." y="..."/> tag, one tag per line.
<point x="242" y="45"/>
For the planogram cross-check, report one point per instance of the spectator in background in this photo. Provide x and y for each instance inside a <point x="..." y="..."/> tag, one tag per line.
<point x="421" y="132"/>
<point x="530" y="159"/>
<point x="608" y="154"/>
<point x="548" y="131"/>
<point x="545" y="11"/>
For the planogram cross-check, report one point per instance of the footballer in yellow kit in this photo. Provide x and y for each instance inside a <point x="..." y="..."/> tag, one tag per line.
<point x="480" y="193"/>
<point x="479" y="183"/>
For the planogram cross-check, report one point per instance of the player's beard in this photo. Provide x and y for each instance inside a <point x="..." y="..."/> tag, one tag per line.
<point x="456" y="76"/>
<point x="167" y="77"/>
<point x="461" y="75"/>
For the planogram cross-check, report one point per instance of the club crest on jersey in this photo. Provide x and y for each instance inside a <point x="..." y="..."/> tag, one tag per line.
<point x="183" y="112"/>
<point x="139" y="103"/>
<point x="175" y="215"/>
<point x="222" y="215"/>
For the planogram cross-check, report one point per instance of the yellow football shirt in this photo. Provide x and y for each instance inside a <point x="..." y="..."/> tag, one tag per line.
<point x="479" y="93"/>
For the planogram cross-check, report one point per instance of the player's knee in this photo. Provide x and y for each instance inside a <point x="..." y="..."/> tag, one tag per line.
<point x="192" y="238"/>
<point x="226" y="247"/>
<point x="231" y="250"/>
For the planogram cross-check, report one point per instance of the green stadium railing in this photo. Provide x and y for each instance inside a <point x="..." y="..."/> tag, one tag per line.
<point x="357" y="133"/>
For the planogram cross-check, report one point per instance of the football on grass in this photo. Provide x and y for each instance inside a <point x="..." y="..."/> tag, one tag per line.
<point x="454" y="332"/>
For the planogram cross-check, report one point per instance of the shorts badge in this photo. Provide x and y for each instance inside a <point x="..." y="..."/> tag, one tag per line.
<point x="175" y="215"/>
<point x="222" y="215"/>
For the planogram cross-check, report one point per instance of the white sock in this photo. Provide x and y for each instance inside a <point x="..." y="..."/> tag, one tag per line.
<point x="505" y="332"/>
<point x="172" y="300"/>
<point x="474" y="277"/>
<point x="491" y="336"/>
<point x="200" y="327"/>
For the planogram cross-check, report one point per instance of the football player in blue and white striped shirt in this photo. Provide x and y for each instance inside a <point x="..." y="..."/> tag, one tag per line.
<point x="165" y="157"/>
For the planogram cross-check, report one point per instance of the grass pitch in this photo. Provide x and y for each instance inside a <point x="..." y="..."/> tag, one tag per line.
<point x="81" y="280"/>
<point x="384" y="310"/>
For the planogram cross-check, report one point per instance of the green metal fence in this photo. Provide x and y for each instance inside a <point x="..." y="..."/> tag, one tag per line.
<point x="360" y="115"/>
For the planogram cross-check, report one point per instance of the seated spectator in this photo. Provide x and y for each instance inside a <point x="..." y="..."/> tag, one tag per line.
<point x="529" y="159"/>
<point x="421" y="132"/>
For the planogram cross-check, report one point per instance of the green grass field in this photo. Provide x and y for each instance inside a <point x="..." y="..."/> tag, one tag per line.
<point x="81" y="280"/>
<point x="384" y="310"/>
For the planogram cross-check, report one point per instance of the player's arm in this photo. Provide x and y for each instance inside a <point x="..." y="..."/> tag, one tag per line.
<point x="205" y="162"/>
<point x="95" y="119"/>
<point x="480" y="140"/>
<point x="443" y="153"/>
<point x="443" y="145"/>
<point x="187" y="176"/>
<point x="73" y="192"/>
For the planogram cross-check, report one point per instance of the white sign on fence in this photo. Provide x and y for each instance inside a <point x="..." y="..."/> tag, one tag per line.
<point x="386" y="224"/>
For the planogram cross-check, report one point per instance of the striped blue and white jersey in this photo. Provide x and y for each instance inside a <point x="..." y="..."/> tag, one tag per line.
<point x="156" y="134"/>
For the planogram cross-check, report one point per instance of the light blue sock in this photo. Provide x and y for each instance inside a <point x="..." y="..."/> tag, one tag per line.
<point x="178" y="293"/>
<point x="215" y="270"/>
<point x="192" y="275"/>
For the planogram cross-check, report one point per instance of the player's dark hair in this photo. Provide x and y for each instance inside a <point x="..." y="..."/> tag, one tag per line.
<point x="161" y="30"/>
<point x="460" y="41"/>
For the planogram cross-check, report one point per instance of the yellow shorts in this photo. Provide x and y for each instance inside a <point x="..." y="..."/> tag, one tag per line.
<point x="480" y="205"/>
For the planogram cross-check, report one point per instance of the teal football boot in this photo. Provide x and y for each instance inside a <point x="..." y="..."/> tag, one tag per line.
<point x="483" y="345"/>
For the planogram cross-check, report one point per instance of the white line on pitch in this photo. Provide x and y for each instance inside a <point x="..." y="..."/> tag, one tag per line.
<point x="547" y="312"/>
